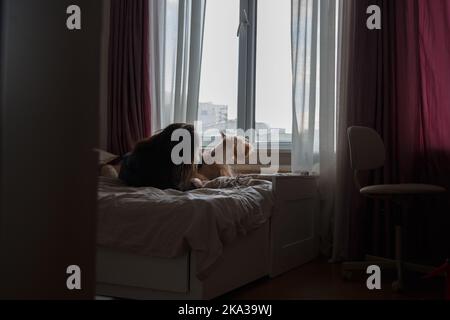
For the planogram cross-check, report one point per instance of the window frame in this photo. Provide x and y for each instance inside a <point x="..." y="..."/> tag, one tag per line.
<point x="247" y="64"/>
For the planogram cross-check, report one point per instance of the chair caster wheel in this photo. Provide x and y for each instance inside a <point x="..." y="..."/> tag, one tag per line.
<point x="347" y="275"/>
<point x="397" y="286"/>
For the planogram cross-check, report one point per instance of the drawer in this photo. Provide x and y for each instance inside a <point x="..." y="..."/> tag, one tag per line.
<point x="291" y="188"/>
<point x="124" y="269"/>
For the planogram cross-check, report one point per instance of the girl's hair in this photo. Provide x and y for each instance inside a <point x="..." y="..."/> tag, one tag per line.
<point x="152" y="163"/>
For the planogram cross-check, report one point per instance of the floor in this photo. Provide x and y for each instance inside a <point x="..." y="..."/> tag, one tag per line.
<point x="320" y="280"/>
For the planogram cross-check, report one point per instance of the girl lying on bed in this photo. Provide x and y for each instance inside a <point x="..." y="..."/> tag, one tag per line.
<point x="150" y="164"/>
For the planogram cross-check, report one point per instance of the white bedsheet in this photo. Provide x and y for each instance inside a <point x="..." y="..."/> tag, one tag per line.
<point x="169" y="223"/>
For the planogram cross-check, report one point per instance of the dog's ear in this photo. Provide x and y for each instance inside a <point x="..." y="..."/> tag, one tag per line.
<point x="223" y="134"/>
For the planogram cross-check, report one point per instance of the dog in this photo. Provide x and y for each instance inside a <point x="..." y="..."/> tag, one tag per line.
<point x="228" y="152"/>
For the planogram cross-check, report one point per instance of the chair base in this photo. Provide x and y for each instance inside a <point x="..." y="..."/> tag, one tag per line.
<point x="385" y="264"/>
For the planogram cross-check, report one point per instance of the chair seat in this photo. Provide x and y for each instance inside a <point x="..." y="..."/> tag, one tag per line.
<point x="402" y="189"/>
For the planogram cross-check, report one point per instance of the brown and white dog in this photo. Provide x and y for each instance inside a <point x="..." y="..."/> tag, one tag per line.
<point x="228" y="152"/>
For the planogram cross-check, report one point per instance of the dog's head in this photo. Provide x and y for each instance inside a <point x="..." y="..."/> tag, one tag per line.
<point x="234" y="148"/>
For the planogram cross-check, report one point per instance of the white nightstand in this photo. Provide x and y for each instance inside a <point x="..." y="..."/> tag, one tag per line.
<point x="294" y="227"/>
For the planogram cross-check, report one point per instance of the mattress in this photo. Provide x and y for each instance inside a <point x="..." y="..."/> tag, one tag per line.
<point x="170" y="223"/>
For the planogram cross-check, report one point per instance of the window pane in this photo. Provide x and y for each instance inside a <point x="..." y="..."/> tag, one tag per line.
<point x="219" y="78"/>
<point x="273" y="68"/>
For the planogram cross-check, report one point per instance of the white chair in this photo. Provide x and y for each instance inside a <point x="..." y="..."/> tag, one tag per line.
<point x="367" y="152"/>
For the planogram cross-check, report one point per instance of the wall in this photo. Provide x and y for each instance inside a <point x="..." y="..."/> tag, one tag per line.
<point x="49" y="125"/>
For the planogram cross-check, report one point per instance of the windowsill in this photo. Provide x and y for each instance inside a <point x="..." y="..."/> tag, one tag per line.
<point x="284" y="148"/>
<point x="256" y="169"/>
<point x="284" y="163"/>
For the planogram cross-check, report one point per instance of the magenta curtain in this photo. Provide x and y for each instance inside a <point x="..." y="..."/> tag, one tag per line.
<point x="422" y="114"/>
<point x="399" y="84"/>
<point x="129" y="88"/>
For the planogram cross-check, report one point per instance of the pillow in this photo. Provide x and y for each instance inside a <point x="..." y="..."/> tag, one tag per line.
<point x="105" y="158"/>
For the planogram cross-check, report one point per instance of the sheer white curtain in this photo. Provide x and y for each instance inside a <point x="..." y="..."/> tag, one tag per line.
<point x="314" y="26"/>
<point x="176" y="37"/>
<point x="342" y="219"/>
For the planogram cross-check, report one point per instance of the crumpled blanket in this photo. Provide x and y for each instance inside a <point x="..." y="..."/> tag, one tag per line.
<point x="170" y="223"/>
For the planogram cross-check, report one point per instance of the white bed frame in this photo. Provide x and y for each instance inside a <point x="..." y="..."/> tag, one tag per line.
<point x="287" y="241"/>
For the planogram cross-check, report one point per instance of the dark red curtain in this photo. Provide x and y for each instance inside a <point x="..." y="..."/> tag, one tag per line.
<point x="399" y="84"/>
<point x="129" y="83"/>
<point x="422" y="114"/>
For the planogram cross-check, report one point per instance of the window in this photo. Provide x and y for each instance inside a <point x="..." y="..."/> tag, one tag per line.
<point x="273" y="104"/>
<point x="246" y="79"/>
<point x="218" y="105"/>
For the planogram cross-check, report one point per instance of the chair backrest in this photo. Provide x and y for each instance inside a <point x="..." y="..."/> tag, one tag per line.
<point x="367" y="150"/>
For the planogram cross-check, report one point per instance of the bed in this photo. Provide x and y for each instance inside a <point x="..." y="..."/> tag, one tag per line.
<point x="155" y="244"/>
